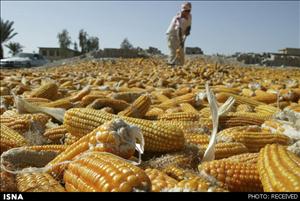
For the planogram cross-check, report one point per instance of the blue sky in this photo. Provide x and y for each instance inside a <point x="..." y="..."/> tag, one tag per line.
<point x="222" y="27"/>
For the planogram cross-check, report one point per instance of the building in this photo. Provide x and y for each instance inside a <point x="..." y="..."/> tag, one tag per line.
<point x="54" y="53"/>
<point x="116" y="53"/>
<point x="290" y="51"/>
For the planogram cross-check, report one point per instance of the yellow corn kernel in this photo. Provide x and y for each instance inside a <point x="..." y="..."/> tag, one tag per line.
<point x="138" y="108"/>
<point x="279" y="169"/>
<point x="159" y="180"/>
<point x="38" y="182"/>
<point x="159" y="136"/>
<point x="104" y="172"/>
<point x="237" y="176"/>
<point x="10" y="139"/>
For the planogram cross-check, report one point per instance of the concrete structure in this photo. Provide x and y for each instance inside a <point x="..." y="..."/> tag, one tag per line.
<point x="290" y="51"/>
<point x="116" y="53"/>
<point x="54" y="53"/>
<point x="269" y="59"/>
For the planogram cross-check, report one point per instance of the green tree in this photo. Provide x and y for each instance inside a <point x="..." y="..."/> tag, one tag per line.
<point x="64" y="39"/>
<point x="83" y="41"/>
<point x="93" y="44"/>
<point x="14" y="48"/>
<point x="75" y="46"/>
<point x="153" y="50"/>
<point x="126" y="44"/>
<point x="6" y="33"/>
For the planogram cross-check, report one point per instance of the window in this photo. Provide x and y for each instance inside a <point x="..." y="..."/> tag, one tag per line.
<point x="51" y="53"/>
<point x="44" y="52"/>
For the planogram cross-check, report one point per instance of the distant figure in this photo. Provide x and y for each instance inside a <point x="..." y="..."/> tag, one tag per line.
<point x="177" y="32"/>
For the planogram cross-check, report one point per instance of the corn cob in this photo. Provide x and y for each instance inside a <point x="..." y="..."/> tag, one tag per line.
<point x="244" y="108"/>
<point x="104" y="172"/>
<point x="226" y="149"/>
<point x="37" y="101"/>
<point x="266" y="109"/>
<point x="173" y="110"/>
<point x="182" y="91"/>
<point x="115" y="137"/>
<point x="180" y="116"/>
<point x="37" y="117"/>
<point x="162" y="98"/>
<point x="198" y="139"/>
<point x="247" y="92"/>
<point x="179" y="173"/>
<point x="264" y="97"/>
<point x="242" y="118"/>
<point x="107" y="110"/>
<point x="10" y="139"/>
<point x="22" y="123"/>
<point x="83" y="92"/>
<point x="128" y="97"/>
<point x="138" y="108"/>
<point x="205" y="112"/>
<point x="54" y="148"/>
<point x="237" y="176"/>
<point x="186" y="107"/>
<point x="19" y="125"/>
<point x="159" y="137"/>
<point x="70" y="139"/>
<point x="168" y="92"/>
<point x="187" y="98"/>
<point x="48" y="90"/>
<point x="218" y="89"/>
<point x="191" y="126"/>
<point x="187" y="158"/>
<point x="238" y="99"/>
<point x="237" y="129"/>
<point x="88" y="99"/>
<point x="60" y="103"/>
<point x="66" y="84"/>
<point x="116" y="105"/>
<point x="56" y="133"/>
<point x="198" y="184"/>
<point x="279" y="169"/>
<point x="159" y="180"/>
<point x="254" y="141"/>
<point x="10" y="113"/>
<point x="38" y="182"/>
<point x="153" y="113"/>
<point x="250" y="158"/>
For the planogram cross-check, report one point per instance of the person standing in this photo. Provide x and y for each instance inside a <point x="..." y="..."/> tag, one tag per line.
<point x="177" y="32"/>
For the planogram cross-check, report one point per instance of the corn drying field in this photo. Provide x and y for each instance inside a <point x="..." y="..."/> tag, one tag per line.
<point x="135" y="125"/>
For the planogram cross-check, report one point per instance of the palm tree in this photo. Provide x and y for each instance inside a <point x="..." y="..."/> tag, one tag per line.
<point x="14" y="47"/>
<point x="6" y="33"/>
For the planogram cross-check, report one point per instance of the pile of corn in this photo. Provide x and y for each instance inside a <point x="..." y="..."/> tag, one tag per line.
<point x="140" y="125"/>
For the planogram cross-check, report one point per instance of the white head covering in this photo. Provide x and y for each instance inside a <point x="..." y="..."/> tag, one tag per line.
<point x="186" y="6"/>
